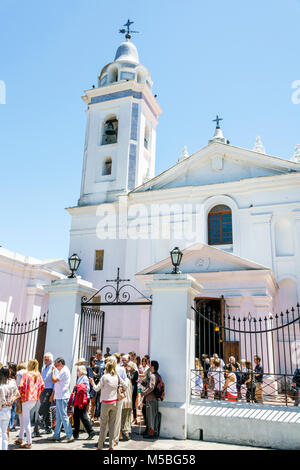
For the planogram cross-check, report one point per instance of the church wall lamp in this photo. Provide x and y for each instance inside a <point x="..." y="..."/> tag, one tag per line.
<point x="176" y="256"/>
<point x="74" y="262"/>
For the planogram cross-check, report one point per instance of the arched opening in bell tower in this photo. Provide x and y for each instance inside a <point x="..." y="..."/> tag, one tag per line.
<point x="110" y="131"/>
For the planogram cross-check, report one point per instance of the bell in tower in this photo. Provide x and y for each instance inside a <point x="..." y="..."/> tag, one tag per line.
<point x="110" y="131"/>
<point x="122" y="116"/>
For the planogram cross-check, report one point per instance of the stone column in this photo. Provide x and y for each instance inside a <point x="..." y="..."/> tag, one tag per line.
<point x="172" y="344"/>
<point x="64" y="318"/>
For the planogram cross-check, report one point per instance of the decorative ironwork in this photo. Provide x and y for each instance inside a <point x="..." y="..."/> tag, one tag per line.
<point x="117" y="295"/>
<point x="21" y="341"/>
<point x="275" y="389"/>
<point x="275" y="338"/>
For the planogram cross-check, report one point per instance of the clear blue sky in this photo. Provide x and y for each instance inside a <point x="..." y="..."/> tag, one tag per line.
<point x="237" y="59"/>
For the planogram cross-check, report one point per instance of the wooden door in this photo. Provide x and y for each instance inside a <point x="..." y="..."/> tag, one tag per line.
<point x="231" y="348"/>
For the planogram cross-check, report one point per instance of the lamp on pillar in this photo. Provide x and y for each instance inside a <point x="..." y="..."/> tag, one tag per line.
<point x="74" y="262"/>
<point x="176" y="256"/>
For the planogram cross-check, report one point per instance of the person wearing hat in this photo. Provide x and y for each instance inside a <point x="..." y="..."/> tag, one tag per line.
<point x="81" y="362"/>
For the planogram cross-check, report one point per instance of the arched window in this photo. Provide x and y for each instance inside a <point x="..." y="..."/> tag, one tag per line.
<point x="110" y="131"/>
<point x="113" y="75"/>
<point x="107" y="164"/>
<point x="220" y="225"/>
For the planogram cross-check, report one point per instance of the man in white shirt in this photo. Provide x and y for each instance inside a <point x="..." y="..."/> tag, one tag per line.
<point x="61" y="378"/>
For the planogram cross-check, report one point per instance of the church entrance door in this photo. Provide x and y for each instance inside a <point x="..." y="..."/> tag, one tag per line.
<point x="210" y="338"/>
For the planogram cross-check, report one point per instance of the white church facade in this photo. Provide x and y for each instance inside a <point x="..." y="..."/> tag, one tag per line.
<point x="235" y="215"/>
<point x="234" y="212"/>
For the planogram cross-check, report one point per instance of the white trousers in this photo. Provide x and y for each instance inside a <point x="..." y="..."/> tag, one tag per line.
<point x="25" y="424"/>
<point x="4" y="420"/>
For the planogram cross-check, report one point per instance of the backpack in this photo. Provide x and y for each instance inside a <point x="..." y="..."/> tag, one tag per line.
<point x="159" y="390"/>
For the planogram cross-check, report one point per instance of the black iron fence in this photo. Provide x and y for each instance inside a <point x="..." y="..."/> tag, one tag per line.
<point x="275" y="338"/>
<point x="241" y="386"/>
<point x="21" y="341"/>
<point x="91" y="331"/>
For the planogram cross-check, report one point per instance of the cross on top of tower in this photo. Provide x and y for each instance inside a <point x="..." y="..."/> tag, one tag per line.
<point x="217" y="121"/>
<point x="129" y="31"/>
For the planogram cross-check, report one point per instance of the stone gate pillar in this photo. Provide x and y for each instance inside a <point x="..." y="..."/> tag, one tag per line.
<point x="64" y="317"/>
<point x="172" y="344"/>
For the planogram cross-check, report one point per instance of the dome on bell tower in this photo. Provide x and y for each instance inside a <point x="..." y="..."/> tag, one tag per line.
<point x="127" y="52"/>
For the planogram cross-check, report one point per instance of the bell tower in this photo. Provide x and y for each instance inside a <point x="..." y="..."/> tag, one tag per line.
<point x="122" y="116"/>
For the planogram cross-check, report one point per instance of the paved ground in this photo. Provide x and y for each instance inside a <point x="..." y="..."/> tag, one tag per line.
<point x="136" y="443"/>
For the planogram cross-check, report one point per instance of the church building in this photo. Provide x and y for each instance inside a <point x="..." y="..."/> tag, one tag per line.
<point x="233" y="212"/>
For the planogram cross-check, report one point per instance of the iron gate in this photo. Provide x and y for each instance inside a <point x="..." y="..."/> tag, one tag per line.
<point x="92" y="317"/>
<point x="275" y="339"/>
<point x="23" y="341"/>
<point x="91" y="331"/>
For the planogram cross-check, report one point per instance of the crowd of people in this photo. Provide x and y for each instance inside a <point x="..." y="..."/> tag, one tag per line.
<point x="108" y="392"/>
<point x="235" y="380"/>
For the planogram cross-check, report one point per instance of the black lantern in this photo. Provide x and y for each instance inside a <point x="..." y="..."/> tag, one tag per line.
<point x="74" y="262"/>
<point x="176" y="256"/>
<point x="94" y="337"/>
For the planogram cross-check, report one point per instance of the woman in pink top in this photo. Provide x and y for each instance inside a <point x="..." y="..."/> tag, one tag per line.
<point x="30" y="388"/>
<point x="109" y="384"/>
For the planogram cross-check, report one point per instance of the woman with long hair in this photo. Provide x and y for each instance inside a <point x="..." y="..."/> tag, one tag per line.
<point x="199" y="375"/>
<point x="109" y="384"/>
<point x="134" y="375"/>
<point x="230" y="386"/>
<point x="12" y="381"/>
<point x="93" y="371"/>
<point x="8" y="395"/>
<point x="30" y="388"/>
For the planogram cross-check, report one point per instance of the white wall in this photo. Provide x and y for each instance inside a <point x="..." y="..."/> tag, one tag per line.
<point x="21" y="285"/>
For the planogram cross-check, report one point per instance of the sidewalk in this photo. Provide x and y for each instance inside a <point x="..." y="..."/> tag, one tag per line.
<point x="136" y="443"/>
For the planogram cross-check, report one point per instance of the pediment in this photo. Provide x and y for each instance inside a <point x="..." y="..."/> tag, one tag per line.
<point x="202" y="258"/>
<point x="57" y="265"/>
<point x="219" y="163"/>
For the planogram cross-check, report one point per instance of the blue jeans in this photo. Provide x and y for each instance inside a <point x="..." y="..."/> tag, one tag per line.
<point x="62" y="419"/>
<point x="12" y="415"/>
<point x="98" y="405"/>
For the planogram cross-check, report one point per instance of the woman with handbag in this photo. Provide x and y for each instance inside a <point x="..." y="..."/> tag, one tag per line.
<point x="110" y="384"/>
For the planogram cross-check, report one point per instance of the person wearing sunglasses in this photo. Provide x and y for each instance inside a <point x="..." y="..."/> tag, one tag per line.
<point x="93" y="372"/>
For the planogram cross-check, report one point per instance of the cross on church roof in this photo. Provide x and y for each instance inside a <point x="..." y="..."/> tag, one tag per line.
<point x="129" y="31"/>
<point x="217" y="120"/>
